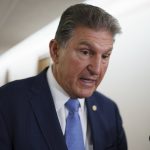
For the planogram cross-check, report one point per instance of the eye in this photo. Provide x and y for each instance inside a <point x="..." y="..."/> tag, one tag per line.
<point x="85" y="52"/>
<point x="106" y="56"/>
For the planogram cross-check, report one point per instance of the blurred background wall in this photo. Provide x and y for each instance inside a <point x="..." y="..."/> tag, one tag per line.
<point x="27" y="26"/>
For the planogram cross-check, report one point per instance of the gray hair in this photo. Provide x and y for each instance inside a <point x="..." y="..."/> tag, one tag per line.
<point x="87" y="16"/>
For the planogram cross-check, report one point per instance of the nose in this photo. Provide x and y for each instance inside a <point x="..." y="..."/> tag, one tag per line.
<point x="94" y="66"/>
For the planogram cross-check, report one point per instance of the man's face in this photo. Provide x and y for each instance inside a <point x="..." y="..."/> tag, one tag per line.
<point x="80" y="66"/>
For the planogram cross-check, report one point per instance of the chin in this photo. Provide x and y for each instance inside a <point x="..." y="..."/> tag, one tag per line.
<point x="85" y="94"/>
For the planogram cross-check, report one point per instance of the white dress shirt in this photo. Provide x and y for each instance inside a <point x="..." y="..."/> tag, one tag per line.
<point x="60" y="97"/>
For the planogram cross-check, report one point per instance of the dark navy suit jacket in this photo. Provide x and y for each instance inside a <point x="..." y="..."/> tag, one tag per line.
<point x="28" y="119"/>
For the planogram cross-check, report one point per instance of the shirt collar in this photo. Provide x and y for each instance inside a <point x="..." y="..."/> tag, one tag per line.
<point x="60" y="97"/>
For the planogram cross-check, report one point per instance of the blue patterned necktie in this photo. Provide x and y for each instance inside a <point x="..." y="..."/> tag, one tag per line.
<point x="73" y="133"/>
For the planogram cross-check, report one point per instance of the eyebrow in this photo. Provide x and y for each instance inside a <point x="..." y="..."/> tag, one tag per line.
<point x="90" y="45"/>
<point x="85" y="43"/>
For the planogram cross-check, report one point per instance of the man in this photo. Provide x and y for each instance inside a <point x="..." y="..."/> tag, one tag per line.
<point x="33" y="112"/>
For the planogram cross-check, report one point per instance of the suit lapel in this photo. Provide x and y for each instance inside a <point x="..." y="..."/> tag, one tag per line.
<point x="96" y="121"/>
<point x="44" y="110"/>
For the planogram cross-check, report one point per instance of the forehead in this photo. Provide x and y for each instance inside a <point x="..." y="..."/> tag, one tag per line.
<point x="87" y="36"/>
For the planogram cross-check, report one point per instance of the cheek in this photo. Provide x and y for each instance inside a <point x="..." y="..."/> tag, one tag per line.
<point x="74" y="70"/>
<point x="75" y="65"/>
<point x="105" y="67"/>
<point x="103" y="70"/>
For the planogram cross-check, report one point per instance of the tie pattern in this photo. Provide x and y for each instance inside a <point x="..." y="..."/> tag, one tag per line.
<point x="73" y="132"/>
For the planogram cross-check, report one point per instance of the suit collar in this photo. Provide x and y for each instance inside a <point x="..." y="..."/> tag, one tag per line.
<point x="45" y="113"/>
<point x="56" y="90"/>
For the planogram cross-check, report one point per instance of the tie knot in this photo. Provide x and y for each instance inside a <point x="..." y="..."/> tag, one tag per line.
<point x="72" y="105"/>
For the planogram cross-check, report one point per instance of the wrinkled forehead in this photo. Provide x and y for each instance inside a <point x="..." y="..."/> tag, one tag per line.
<point x="85" y="34"/>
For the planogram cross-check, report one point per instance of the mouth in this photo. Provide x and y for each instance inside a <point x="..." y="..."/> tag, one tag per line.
<point x="88" y="82"/>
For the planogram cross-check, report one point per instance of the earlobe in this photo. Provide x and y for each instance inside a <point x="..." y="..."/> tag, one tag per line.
<point x="53" y="47"/>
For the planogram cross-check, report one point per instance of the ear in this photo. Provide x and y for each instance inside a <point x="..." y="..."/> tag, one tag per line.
<point x="54" y="48"/>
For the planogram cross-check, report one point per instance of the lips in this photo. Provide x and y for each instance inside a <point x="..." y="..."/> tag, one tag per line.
<point x="88" y="82"/>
